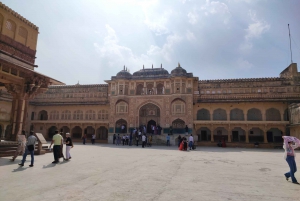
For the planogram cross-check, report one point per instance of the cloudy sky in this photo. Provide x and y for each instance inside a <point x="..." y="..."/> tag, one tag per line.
<point x="91" y="40"/>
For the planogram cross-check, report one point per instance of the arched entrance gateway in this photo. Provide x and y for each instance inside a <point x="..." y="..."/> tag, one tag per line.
<point x="149" y="115"/>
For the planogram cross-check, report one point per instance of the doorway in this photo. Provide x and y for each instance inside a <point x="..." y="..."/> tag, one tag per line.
<point x="235" y="136"/>
<point x="150" y="123"/>
<point x="270" y="136"/>
<point x="203" y="136"/>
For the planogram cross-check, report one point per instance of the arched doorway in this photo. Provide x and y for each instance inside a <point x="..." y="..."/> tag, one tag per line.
<point x="64" y="130"/>
<point x="51" y="132"/>
<point x="102" y="133"/>
<point x="149" y="113"/>
<point x="76" y="132"/>
<point x="43" y="115"/>
<point x="204" y="134"/>
<point x="178" y="126"/>
<point x="149" y="125"/>
<point x="89" y="131"/>
<point x="274" y="135"/>
<point x="119" y="124"/>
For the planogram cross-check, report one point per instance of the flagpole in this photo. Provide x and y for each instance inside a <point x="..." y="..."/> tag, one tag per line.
<point x="290" y="44"/>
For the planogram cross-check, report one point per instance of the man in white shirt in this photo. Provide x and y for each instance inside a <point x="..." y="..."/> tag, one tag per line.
<point x="143" y="140"/>
<point x="93" y="138"/>
<point x="191" y="142"/>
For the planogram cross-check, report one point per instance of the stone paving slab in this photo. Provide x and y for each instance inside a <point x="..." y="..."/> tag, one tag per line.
<point x="107" y="172"/>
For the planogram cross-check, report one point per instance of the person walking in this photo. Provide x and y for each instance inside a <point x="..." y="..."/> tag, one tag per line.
<point x="123" y="139"/>
<point x="143" y="140"/>
<point x="191" y="141"/>
<point x="289" y="155"/>
<point x="29" y="149"/>
<point x="168" y="140"/>
<point x="179" y="140"/>
<point x="93" y="138"/>
<point x="150" y="141"/>
<point x="137" y="140"/>
<point x="114" y="138"/>
<point x="57" y="140"/>
<point x="84" y="139"/>
<point x="69" y="145"/>
<point x="127" y="140"/>
<point x="21" y="145"/>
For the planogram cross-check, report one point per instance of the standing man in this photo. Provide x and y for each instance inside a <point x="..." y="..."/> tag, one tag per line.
<point x="191" y="142"/>
<point x="93" y="138"/>
<point x="57" y="140"/>
<point x="21" y="145"/>
<point x="168" y="140"/>
<point x="130" y="139"/>
<point x="186" y="130"/>
<point x="84" y="139"/>
<point x="114" y="139"/>
<point x="29" y="149"/>
<point x="143" y="140"/>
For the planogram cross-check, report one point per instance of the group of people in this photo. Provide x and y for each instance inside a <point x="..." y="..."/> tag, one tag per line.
<point x="84" y="138"/>
<point x="184" y="143"/>
<point x="128" y="139"/>
<point x="27" y="146"/>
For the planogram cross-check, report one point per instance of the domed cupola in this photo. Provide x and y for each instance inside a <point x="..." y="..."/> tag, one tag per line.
<point x="123" y="74"/>
<point x="178" y="72"/>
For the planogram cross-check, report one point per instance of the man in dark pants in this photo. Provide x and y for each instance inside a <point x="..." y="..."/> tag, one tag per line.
<point x="57" y="140"/>
<point x="29" y="149"/>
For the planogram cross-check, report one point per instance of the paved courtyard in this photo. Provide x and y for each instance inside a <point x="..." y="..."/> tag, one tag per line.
<point x="107" y="172"/>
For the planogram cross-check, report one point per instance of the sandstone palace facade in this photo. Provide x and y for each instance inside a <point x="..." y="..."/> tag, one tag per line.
<point x="241" y="111"/>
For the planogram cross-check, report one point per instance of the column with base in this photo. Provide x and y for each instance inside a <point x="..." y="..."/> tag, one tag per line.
<point x="247" y="134"/>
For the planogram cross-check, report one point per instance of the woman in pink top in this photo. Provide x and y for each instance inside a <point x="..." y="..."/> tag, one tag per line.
<point x="289" y="144"/>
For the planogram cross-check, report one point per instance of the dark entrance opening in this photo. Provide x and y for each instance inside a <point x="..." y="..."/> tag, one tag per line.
<point x="270" y="136"/>
<point x="203" y="136"/>
<point x="150" y="123"/>
<point x="235" y="136"/>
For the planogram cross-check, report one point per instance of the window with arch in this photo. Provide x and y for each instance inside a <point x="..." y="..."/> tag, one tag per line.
<point x="78" y="114"/>
<point x="23" y="33"/>
<point x="103" y="114"/>
<point x="122" y="108"/>
<point x="66" y="115"/>
<point x="203" y="114"/>
<point x="54" y="115"/>
<point x="220" y="114"/>
<point x="160" y="88"/>
<point x="273" y="114"/>
<point x="254" y="114"/>
<point x="236" y="115"/>
<point x="90" y="114"/>
<point x="139" y="89"/>
<point x="178" y="107"/>
<point x="11" y="26"/>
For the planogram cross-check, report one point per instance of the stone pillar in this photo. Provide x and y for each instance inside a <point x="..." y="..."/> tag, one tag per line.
<point x="229" y="134"/>
<point x="245" y="116"/>
<point x="265" y="136"/>
<point x="228" y="115"/>
<point x="18" y="116"/>
<point x="212" y="134"/>
<point x="247" y="134"/>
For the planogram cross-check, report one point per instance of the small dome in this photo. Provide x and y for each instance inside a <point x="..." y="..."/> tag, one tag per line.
<point x="178" y="71"/>
<point x="123" y="74"/>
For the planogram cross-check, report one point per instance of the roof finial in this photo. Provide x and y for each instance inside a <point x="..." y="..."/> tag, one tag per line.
<point x="124" y="67"/>
<point x="152" y="66"/>
<point x="178" y="64"/>
<point x="160" y="65"/>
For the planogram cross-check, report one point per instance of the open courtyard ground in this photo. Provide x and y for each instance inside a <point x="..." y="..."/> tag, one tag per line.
<point x="111" y="173"/>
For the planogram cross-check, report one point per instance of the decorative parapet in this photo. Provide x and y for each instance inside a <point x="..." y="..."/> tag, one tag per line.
<point x="243" y="80"/>
<point x="17" y="15"/>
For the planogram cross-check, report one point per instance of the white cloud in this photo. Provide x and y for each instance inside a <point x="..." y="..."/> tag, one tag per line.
<point x="190" y="35"/>
<point x="118" y="55"/>
<point x="255" y="29"/>
<point x="158" y="23"/>
<point x="215" y="7"/>
<point x="193" y="17"/>
<point x="244" y="64"/>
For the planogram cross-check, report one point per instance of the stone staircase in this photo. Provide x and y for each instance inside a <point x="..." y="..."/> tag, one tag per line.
<point x="8" y="148"/>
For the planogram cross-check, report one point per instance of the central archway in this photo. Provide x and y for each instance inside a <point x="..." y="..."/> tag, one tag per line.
<point x="149" y="114"/>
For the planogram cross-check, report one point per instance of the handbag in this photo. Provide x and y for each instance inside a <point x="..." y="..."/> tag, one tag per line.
<point x="30" y="147"/>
